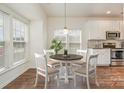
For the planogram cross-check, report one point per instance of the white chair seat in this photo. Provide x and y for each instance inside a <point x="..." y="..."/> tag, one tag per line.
<point x="52" y="70"/>
<point x="80" y="62"/>
<point x="52" y="63"/>
<point x="83" y="70"/>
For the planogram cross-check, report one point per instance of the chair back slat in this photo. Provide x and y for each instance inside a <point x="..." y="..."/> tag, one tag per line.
<point x="82" y="52"/>
<point x="48" y="52"/>
<point x="93" y="59"/>
<point x="41" y="63"/>
<point x="91" y="62"/>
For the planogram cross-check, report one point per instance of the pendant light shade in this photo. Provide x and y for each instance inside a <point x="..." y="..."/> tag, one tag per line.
<point x="65" y="30"/>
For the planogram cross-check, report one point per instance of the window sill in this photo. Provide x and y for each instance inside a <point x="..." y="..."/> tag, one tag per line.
<point x="2" y="69"/>
<point x="6" y="69"/>
<point x="19" y="63"/>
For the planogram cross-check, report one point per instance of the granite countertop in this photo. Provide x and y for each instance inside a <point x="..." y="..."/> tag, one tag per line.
<point x="107" y="48"/>
<point x="101" y="48"/>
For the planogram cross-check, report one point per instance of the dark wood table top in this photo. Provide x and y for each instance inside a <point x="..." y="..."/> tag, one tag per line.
<point x="68" y="57"/>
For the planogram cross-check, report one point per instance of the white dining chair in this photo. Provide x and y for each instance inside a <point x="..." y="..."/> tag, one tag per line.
<point x="44" y="70"/>
<point x="87" y="70"/>
<point x="82" y="52"/>
<point x="51" y="62"/>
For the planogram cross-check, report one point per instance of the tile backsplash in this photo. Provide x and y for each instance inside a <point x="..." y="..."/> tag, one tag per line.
<point x="99" y="43"/>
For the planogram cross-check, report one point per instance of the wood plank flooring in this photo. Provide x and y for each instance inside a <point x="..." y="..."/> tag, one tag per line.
<point x="108" y="78"/>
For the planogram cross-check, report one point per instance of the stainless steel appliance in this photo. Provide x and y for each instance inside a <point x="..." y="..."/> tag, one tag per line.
<point x="117" y="56"/>
<point x="109" y="45"/>
<point x="112" y="35"/>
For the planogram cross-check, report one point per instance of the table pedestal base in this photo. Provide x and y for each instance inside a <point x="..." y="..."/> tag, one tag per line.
<point x="66" y="72"/>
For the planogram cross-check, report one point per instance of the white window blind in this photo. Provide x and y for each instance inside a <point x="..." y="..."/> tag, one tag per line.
<point x="19" y="44"/>
<point x="2" y="41"/>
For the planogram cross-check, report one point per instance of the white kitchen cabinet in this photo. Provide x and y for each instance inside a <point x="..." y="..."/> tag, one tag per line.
<point x="97" y="29"/>
<point x="112" y="25"/>
<point x="104" y="56"/>
<point x="93" y="30"/>
<point x="122" y="29"/>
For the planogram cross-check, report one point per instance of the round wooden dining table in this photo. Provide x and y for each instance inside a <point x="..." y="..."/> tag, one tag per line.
<point x="66" y="59"/>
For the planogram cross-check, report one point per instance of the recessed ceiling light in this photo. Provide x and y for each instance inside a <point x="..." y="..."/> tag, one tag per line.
<point x="108" y="12"/>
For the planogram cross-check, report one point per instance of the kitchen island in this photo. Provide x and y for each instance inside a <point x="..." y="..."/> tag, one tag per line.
<point x="111" y="52"/>
<point x="104" y="58"/>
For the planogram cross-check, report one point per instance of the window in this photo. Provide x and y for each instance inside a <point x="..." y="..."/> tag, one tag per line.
<point x="71" y="41"/>
<point x="19" y="44"/>
<point x="2" y="40"/>
<point x="14" y="33"/>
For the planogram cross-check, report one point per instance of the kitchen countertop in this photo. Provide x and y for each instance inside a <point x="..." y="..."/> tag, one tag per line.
<point x="100" y="48"/>
<point x="107" y="48"/>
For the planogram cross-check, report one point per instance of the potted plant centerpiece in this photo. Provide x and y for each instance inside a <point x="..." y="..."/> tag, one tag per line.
<point x="56" y="45"/>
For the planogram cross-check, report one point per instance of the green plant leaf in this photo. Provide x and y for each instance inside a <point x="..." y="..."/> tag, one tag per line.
<point x="56" y="45"/>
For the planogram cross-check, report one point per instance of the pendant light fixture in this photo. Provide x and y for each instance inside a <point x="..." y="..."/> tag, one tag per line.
<point x="65" y="28"/>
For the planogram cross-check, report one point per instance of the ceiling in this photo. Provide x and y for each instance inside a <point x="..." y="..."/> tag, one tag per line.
<point x="83" y="9"/>
<point x="31" y="11"/>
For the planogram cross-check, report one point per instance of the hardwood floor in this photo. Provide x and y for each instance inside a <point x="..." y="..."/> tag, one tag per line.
<point x="108" y="78"/>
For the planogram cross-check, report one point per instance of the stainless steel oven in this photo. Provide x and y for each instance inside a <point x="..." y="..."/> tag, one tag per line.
<point x="117" y="56"/>
<point x="109" y="45"/>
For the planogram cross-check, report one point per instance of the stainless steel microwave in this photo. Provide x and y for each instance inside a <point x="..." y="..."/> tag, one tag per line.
<point x="112" y="35"/>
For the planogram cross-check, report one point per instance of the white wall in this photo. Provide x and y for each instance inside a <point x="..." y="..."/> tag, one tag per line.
<point x="38" y="38"/>
<point x="92" y="28"/>
<point x="38" y="35"/>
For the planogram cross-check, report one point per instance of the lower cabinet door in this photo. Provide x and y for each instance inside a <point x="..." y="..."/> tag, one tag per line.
<point x="104" y="57"/>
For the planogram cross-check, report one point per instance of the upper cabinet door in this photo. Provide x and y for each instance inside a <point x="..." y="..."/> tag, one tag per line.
<point x="113" y="26"/>
<point x="95" y="29"/>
